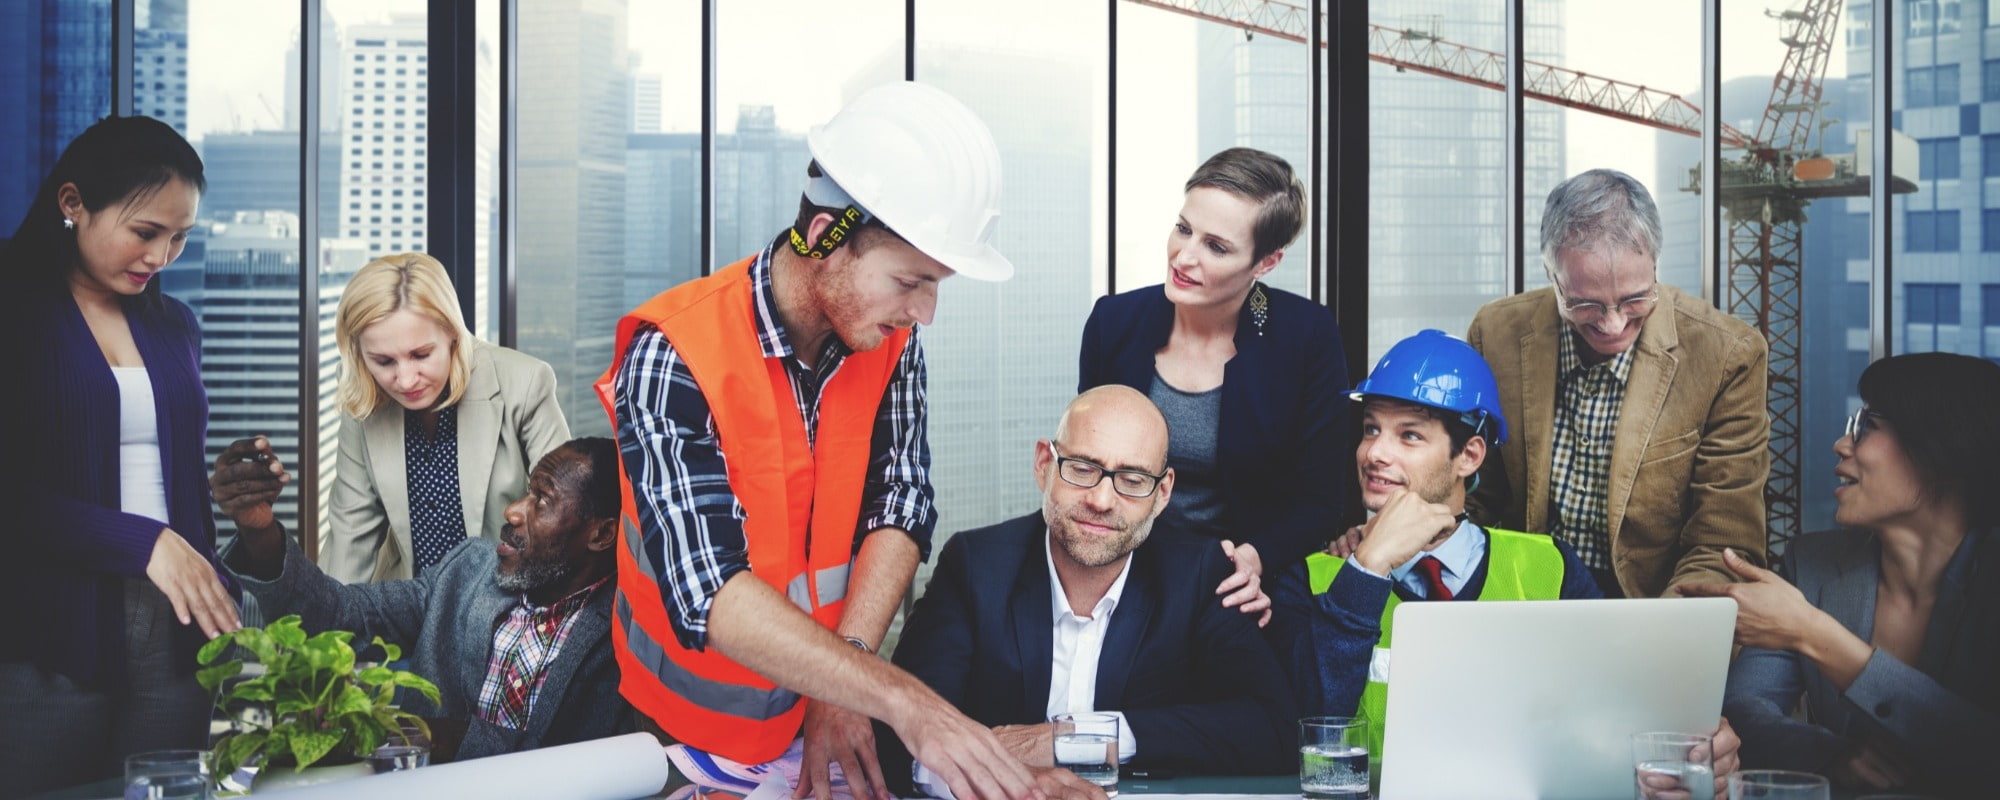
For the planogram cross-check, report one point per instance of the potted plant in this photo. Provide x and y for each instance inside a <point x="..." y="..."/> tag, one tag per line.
<point x="318" y="707"/>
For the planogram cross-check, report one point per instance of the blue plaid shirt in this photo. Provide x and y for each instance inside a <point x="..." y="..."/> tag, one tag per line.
<point x="689" y="518"/>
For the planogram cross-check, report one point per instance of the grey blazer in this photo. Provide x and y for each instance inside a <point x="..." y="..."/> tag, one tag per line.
<point x="507" y="420"/>
<point x="1940" y="719"/>
<point x="444" y="621"/>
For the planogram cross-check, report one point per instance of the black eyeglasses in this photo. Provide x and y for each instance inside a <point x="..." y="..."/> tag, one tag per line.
<point x="1086" y="475"/>
<point x="1857" y="425"/>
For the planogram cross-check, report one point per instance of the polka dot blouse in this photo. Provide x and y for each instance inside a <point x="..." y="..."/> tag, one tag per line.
<point x="437" y="516"/>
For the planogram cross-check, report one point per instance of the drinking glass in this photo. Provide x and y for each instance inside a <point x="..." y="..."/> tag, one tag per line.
<point x="408" y="748"/>
<point x="1777" y="784"/>
<point x="1673" y="766"/>
<point x="1087" y="744"/>
<point x="1333" y="758"/>
<point x="167" y="775"/>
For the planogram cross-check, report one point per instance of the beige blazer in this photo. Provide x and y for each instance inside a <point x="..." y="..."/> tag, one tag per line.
<point x="1693" y="439"/>
<point x="507" y="420"/>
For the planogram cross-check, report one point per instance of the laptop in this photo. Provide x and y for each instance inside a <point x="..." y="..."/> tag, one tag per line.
<point x="1539" y="699"/>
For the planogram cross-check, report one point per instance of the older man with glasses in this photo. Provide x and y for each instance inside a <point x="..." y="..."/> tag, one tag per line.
<point x="1643" y="434"/>
<point x="1088" y="606"/>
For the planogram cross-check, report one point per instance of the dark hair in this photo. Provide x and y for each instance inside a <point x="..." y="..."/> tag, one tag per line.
<point x="600" y="495"/>
<point x="1264" y="179"/>
<point x="115" y="160"/>
<point x="1940" y="407"/>
<point x="866" y="236"/>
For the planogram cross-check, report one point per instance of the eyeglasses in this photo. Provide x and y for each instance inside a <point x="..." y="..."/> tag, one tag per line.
<point x="1857" y="425"/>
<point x="1085" y="475"/>
<point x="1589" y="311"/>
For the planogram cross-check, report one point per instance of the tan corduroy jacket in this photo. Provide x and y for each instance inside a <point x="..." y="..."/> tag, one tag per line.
<point x="1692" y="451"/>
<point x="507" y="420"/>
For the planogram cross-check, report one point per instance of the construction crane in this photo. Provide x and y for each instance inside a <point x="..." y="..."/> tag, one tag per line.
<point x="1765" y="188"/>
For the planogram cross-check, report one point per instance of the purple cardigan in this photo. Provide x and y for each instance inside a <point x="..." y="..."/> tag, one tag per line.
<point x="64" y="579"/>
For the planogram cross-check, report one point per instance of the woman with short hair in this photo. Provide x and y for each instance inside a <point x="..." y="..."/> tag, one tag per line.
<point x="1252" y="379"/>
<point x="1890" y="626"/>
<point x="440" y="429"/>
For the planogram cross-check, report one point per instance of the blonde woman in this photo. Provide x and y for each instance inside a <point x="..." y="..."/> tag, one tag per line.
<point x="441" y="429"/>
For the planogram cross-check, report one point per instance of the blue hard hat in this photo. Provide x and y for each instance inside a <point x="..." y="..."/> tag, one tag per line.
<point x="1437" y="369"/>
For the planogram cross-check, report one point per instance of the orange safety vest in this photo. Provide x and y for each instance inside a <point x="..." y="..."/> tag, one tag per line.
<point x="801" y="504"/>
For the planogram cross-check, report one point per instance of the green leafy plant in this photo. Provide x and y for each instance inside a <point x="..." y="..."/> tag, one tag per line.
<point x="316" y="701"/>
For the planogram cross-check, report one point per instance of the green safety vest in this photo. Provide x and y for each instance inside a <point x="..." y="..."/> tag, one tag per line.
<point x="1519" y="566"/>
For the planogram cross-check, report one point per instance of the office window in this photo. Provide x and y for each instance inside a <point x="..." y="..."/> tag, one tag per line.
<point x="1989" y="230"/>
<point x="1930" y="316"/>
<point x="1937" y="159"/>
<point x="1989" y="317"/>
<point x="1931" y="231"/>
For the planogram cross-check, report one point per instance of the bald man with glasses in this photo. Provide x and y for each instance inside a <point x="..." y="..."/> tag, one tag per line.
<point x="1643" y="434"/>
<point x="1087" y="605"/>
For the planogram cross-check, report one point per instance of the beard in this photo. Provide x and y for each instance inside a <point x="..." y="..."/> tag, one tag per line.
<point x="534" y="573"/>
<point x="1089" y="550"/>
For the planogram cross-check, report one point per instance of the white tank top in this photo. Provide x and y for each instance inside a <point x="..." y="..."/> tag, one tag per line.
<point x="142" y="486"/>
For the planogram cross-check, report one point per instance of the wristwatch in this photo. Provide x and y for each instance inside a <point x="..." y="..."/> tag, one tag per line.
<point x="856" y="641"/>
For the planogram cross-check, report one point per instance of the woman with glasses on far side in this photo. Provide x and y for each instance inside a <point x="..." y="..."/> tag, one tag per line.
<point x="1252" y="379"/>
<point x="441" y="428"/>
<point x="1890" y="626"/>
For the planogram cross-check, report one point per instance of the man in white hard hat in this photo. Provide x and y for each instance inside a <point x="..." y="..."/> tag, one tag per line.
<point x="771" y="426"/>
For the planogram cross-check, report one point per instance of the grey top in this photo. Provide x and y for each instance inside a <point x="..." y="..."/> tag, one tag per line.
<point x="1938" y="719"/>
<point x="1194" y="420"/>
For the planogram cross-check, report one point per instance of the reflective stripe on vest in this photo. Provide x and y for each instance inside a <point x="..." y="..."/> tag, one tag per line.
<point x="801" y="503"/>
<point x="1519" y="566"/>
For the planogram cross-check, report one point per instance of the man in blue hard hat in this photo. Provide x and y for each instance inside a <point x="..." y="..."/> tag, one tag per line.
<point x="1429" y="414"/>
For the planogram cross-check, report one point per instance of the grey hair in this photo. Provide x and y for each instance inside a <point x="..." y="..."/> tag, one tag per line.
<point x="1596" y="208"/>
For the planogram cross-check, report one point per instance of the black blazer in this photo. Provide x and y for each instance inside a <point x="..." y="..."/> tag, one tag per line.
<point x="1196" y="682"/>
<point x="1284" y="449"/>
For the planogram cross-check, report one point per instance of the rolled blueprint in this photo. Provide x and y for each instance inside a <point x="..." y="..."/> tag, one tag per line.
<point x="614" y="768"/>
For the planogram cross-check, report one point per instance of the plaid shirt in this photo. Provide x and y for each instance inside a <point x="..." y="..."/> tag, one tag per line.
<point x="524" y="645"/>
<point x="689" y="518"/>
<point x="1587" y="401"/>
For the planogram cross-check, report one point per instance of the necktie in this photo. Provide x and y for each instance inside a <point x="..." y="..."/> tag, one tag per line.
<point x="1433" y="571"/>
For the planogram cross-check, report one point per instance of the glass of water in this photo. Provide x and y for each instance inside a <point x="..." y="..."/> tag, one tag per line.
<point x="1087" y="744"/>
<point x="1673" y="766"/>
<point x="1333" y="758"/>
<point x="1777" y="784"/>
<point x="167" y="775"/>
<point x="407" y="748"/>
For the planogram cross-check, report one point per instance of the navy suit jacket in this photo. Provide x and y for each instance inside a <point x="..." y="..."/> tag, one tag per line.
<point x="1196" y="682"/>
<point x="1284" y="449"/>
<point x="1939" y="719"/>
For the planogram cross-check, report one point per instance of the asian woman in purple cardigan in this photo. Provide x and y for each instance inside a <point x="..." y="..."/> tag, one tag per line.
<point x="109" y="577"/>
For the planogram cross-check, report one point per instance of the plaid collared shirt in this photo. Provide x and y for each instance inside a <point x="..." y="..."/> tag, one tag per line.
<point x="689" y="519"/>
<point x="1586" y="420"/>
<point x="524" y="645"/>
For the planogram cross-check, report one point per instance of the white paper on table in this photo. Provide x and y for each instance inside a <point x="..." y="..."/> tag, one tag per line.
<point x="716" y="772"/>
<point x="614" y="768"/>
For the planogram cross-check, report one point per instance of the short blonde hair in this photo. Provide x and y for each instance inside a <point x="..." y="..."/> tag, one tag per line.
<point x="389" y="284"/>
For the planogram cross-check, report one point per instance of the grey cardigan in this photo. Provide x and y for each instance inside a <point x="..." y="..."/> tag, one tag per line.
<point x="444" y="621"/>
<point x="1939" y="718"/>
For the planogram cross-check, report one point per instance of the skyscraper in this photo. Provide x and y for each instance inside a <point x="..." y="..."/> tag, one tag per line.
<point x="572" y="224"/>
<point x="55" y="80"/>
<point x="248" y="304"/>
<point x="159" y="67"/>
<point x="384" y="99"/>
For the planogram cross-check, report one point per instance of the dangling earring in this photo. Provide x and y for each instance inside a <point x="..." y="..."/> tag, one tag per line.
<point x="1260" y="308"/>
<point x="69" y="224"/>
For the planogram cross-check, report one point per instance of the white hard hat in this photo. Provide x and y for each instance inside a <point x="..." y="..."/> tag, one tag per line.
<point x="921" y="162"/>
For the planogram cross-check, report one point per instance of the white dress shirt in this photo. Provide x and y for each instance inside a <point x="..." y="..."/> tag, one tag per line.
<point x="142" y="482"/>
<point x="1078" y="643"/>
